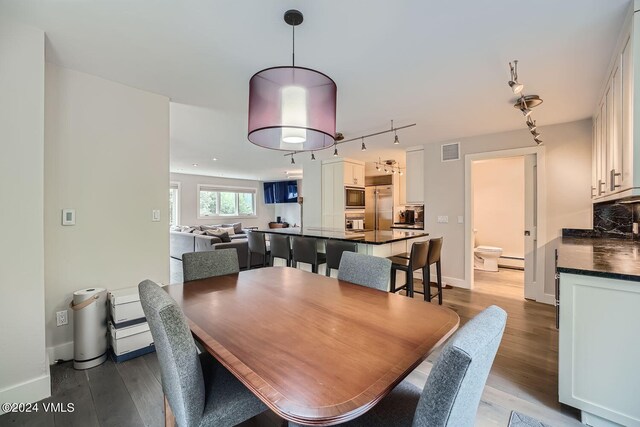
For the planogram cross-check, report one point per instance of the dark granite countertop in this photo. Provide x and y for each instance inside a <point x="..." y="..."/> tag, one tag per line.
<point x="601" y="257"/>
<point x="367" y="237"/>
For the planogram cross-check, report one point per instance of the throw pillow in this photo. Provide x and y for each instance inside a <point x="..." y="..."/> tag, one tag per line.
<point x="228" y="230"/>
<point x="222" y="235"/>
<point x="237" y="227"/>
<point x="209" y="227"/>
<point x="198" y="232"/>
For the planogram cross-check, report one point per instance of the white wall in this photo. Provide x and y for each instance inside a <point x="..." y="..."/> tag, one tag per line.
<point x="24" y="372"/>
<point x="107" y="156"/>
<point x="498" y="204"/>
<point x="189" y="200"/>
<point x="568" y="176"/>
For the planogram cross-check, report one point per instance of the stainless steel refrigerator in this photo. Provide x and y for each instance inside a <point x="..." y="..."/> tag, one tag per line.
<point x="378" y="207"/>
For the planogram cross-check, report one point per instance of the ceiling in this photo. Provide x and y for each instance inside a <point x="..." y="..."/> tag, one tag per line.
<point x="442" y="65"/>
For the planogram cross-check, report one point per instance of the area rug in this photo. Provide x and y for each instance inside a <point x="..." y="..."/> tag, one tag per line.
<point x="520" y="420"/>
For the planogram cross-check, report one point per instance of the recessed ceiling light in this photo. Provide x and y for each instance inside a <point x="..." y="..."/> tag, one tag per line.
<point x="195" y="164"/>
<point x="215" y="159"/>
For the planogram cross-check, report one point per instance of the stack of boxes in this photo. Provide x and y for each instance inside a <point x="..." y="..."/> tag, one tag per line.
<point x="128" y="328"/>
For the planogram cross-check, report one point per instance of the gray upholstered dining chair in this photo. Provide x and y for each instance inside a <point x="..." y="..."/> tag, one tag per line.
<point x="280" y="248"/>
<point x="366" y="270"/>
<point x="305" y="250"/>
<point x="200" y="265"/>
<point x="257" y="246"/>
<point x="199" y="390"/>
<point x="454" y="386"/>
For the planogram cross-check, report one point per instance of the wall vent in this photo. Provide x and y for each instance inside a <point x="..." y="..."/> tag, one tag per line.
<point x="450" y="152"/>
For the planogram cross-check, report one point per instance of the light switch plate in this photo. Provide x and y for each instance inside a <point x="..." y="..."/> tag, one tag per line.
<point x="443" y="219"/>
<point x="68" y="217"/>
<point x="155" y="215"/>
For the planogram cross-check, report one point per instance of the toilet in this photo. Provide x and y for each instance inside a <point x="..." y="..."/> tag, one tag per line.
<point x="485" y="257"/>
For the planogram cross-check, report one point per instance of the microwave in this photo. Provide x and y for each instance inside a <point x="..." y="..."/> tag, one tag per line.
<point x="354" y="198"/>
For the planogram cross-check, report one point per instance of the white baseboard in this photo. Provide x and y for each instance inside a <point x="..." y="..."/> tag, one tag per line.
<point x="62" y="351"/>
<point x="547" y="299"/>
<point x="30" y="391"/>
<point x="458" y="283"/>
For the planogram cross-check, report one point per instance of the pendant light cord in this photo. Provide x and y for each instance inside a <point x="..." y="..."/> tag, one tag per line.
<point x="293" y="50"/>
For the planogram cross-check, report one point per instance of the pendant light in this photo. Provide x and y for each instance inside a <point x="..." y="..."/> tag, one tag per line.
<point x="292" y="108"/>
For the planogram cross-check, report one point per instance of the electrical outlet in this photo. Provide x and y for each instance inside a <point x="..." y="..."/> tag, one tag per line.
<point x="155" y="215"/>
<point x="61" y="318"/>
<point x="443" y="219"/>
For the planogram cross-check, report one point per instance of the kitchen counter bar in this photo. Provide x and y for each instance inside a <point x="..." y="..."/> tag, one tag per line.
<point x="367" y="237"/>
<point x="600" y="257"/>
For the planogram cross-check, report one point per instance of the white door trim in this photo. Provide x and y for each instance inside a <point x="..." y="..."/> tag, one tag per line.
<point x="541" y="210"/>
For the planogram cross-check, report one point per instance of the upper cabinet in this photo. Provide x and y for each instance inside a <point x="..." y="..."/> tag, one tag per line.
<point x="353" y="174"/>
<point x="614" y="174"/>
<point x="414" y="179"/>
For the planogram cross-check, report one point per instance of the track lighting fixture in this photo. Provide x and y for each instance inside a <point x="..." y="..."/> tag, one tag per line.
<point x="524" y="103"/>
<point x="513" y="83"/>
<point x="388" y="166"/>
<point x="313" y="156"/>
<point x="293" y="162"/>
<point x="339" y="139"/>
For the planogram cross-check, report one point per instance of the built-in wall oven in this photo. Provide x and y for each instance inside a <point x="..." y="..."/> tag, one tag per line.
<point x="354" y="197"/>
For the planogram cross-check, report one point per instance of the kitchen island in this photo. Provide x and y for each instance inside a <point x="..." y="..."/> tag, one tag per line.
<point x="381" y="243"/>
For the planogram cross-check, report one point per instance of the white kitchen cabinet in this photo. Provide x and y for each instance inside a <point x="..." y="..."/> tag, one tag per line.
<point x="613" y="123"/>
<point x="599" y="350"/>
<point x="353" y="174"/>
<point x="414" y="181"/>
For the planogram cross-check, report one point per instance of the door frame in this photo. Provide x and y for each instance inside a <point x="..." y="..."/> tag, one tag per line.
<point x="541" y="209"/>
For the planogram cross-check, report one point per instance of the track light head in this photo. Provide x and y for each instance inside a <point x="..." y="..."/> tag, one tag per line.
<point x="538" y="139"/>
<point x="531" y="124"/>
<point x="526" y="112"/>
<point x="293" y="162"/>
<point x="393" y="171"/>
<point x="516" y="87"/>
<point x="396" y="141"/>
<point x="400" y="172"/>
<point x="313" y="156"/>
<point x="378" y="167"/>
<point x="335" y="151"/>
<point x="535" y="133"/>
<point x="364" y="147"/>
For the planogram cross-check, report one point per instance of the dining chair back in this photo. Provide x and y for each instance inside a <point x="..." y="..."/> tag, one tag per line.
<point x="218" y="262"/>
<point x="305" y="249"/>
<point x="335" y="248"/>
<point x="365" y="270"/>
<point x="452" y="393"/>
<point x="417" y="260"/>
<point x="257" y="246"/>
<point x="182" y="379"/>
<point x="280" y="248"/>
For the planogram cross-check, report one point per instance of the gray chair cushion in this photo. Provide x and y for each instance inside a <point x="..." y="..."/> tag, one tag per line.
<point x="200" y="391"/>
<point x="200" y="265"/>
<point x="228" y="401"/>
<point x="366" y="270"/>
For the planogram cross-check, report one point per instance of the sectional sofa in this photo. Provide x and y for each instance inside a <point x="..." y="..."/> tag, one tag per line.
<point x="186" y="241"/>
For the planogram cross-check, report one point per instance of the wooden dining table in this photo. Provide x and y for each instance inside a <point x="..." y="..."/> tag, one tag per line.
<point x="314" y="349"/>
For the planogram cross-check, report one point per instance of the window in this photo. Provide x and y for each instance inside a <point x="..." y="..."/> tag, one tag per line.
<point x="223" y="201"/>
<point x="174" y="203"/>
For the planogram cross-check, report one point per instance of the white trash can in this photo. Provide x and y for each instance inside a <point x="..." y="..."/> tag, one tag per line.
<point x="89" y="327"/>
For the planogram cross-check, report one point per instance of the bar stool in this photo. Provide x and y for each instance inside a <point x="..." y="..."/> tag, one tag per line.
<point x="305" y="250"/>
<point x="435" y="249"/>
<point x="417" y="260"/>
<point x="335" y="248"/>
<point x="280" y="248"/>
<point x="257" y="245"/>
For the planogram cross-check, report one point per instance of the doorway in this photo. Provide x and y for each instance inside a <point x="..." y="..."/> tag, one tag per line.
<point x="526" y="219"/>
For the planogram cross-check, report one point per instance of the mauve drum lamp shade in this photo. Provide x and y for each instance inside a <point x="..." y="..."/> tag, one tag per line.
<point x="292" y="109"/>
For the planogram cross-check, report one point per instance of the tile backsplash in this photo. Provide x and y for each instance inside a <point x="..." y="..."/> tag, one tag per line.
<point x="616" y="219"/>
